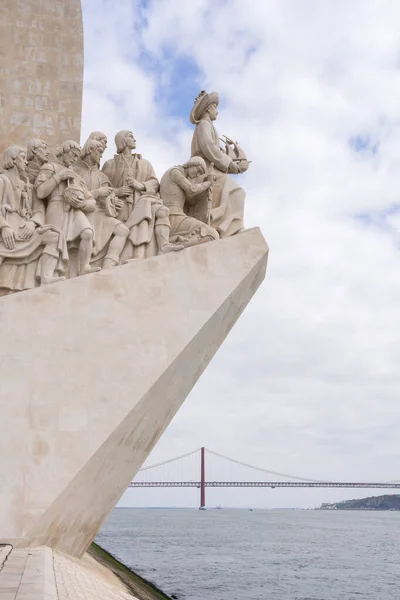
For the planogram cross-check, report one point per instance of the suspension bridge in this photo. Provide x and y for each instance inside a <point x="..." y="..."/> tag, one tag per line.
<point x="176" y="472"/>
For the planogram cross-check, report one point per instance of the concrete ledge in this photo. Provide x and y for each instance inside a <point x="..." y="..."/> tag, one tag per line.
<point x="44" y="574"/>
<point x="4" y="552"/>
<point x="27" y="574"/>
<point x="12" y="573"/>
<point x="38" y="580"/>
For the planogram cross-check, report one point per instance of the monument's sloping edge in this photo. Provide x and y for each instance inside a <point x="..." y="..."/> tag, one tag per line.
<point x="114" y="356"/>
<point x="71" y="524"/>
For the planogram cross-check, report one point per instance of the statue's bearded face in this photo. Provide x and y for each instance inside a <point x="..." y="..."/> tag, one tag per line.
<point x="42" y="153"/>
<point x="96" y="154"/>
<point x="21" y="162"/>
<point x="103" y="142"/>
<point x="130" y="141"/>
<point x="70" y="158"/>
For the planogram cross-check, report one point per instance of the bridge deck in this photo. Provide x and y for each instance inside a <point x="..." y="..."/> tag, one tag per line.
<point x="269" y="484"/>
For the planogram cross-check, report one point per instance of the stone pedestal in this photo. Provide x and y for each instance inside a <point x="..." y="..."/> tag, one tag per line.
<point x="92" y="371"/>
<point x="41" y="71"/>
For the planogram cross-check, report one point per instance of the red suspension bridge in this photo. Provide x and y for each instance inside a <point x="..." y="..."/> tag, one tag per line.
<point x="156" y="476"/>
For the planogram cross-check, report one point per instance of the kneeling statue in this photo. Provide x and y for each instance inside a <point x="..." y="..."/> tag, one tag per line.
<point x="182" y="186"/>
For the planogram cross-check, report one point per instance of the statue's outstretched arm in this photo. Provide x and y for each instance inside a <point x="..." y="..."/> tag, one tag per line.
<point x="210" y="150"/>
<point x="192" y="190"/>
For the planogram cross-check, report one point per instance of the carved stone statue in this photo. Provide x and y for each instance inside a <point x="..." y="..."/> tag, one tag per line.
<point x="37" y="155"/>
<point x="87" y="166"/>
<point x="181" y="186"/>
<point x="68" y="210"/>
<point x="69" y="217"/>
<point x="29" y="250"/>
<point x="99" y="136"/>
<point x="110" y="233"/>
<point x="143" y="212"/>
<point x="228" y="197"/>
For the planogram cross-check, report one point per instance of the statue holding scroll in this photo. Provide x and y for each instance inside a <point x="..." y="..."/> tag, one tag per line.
<point x="29" y="249"/>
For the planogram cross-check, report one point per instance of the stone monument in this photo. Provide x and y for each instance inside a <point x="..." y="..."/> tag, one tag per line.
<point x="126" y="288"/>
<point x="41" y="71"/>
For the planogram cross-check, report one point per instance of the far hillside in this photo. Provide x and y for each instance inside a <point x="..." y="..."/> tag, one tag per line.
<point x="386" y="502"/>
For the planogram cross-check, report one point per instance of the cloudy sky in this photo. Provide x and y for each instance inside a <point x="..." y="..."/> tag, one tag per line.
<point x="308" y="381"/>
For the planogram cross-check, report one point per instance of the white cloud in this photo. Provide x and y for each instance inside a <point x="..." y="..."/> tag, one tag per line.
<point x="307" y="382"/>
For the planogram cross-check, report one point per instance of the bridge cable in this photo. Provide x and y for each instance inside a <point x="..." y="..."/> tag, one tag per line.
<point x="238" y="462"/>
<point x="164" y="462"/>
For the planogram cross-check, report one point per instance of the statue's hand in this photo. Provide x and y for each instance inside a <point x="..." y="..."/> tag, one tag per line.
<point x="104" y="191"/>
<point x="27" y="230"/>
<point x="66" y="174"/>
<point x="234" y="168"/>
<point x="123" y="191"/>
<point x="137" y="185"/>
<point x="118" y="203"/>
<point x="8" y="237"/>
<point x="77" y="202"/>
<point x="210" y="178"/>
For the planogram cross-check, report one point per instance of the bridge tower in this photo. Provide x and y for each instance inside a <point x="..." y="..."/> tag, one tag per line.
<point x="202" y="480"/>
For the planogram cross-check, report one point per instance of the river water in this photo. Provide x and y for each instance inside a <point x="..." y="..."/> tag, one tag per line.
<point x="260" y="554"/>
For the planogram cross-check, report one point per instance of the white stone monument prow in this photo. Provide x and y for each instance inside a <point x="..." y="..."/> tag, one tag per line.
<point x="92" y="371"/>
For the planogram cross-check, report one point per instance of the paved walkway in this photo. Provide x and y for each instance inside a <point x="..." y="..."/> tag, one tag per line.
<point x="45" y="574"/>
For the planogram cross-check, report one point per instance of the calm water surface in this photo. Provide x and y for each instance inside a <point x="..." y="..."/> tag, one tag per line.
<point x="260" y="555"/>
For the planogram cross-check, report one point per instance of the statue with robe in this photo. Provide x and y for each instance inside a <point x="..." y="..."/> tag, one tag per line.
<point x="143" y="212"/>
<point x="110" y="233"/>
<point x="29" y="249"/>
<point x="228" y="197"/>
<point x="68" y="210"/>
<point x="181" y="187"/>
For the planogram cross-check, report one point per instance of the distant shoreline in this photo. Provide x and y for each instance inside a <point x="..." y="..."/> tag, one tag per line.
<point x="384" y="503"/>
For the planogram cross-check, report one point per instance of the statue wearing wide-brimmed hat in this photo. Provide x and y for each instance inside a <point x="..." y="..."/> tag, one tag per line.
<point x="228" y="197"/>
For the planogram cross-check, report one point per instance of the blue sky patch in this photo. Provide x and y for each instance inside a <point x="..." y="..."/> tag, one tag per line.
<point x="363" y="143"/>
<point x="379" y="218"/>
